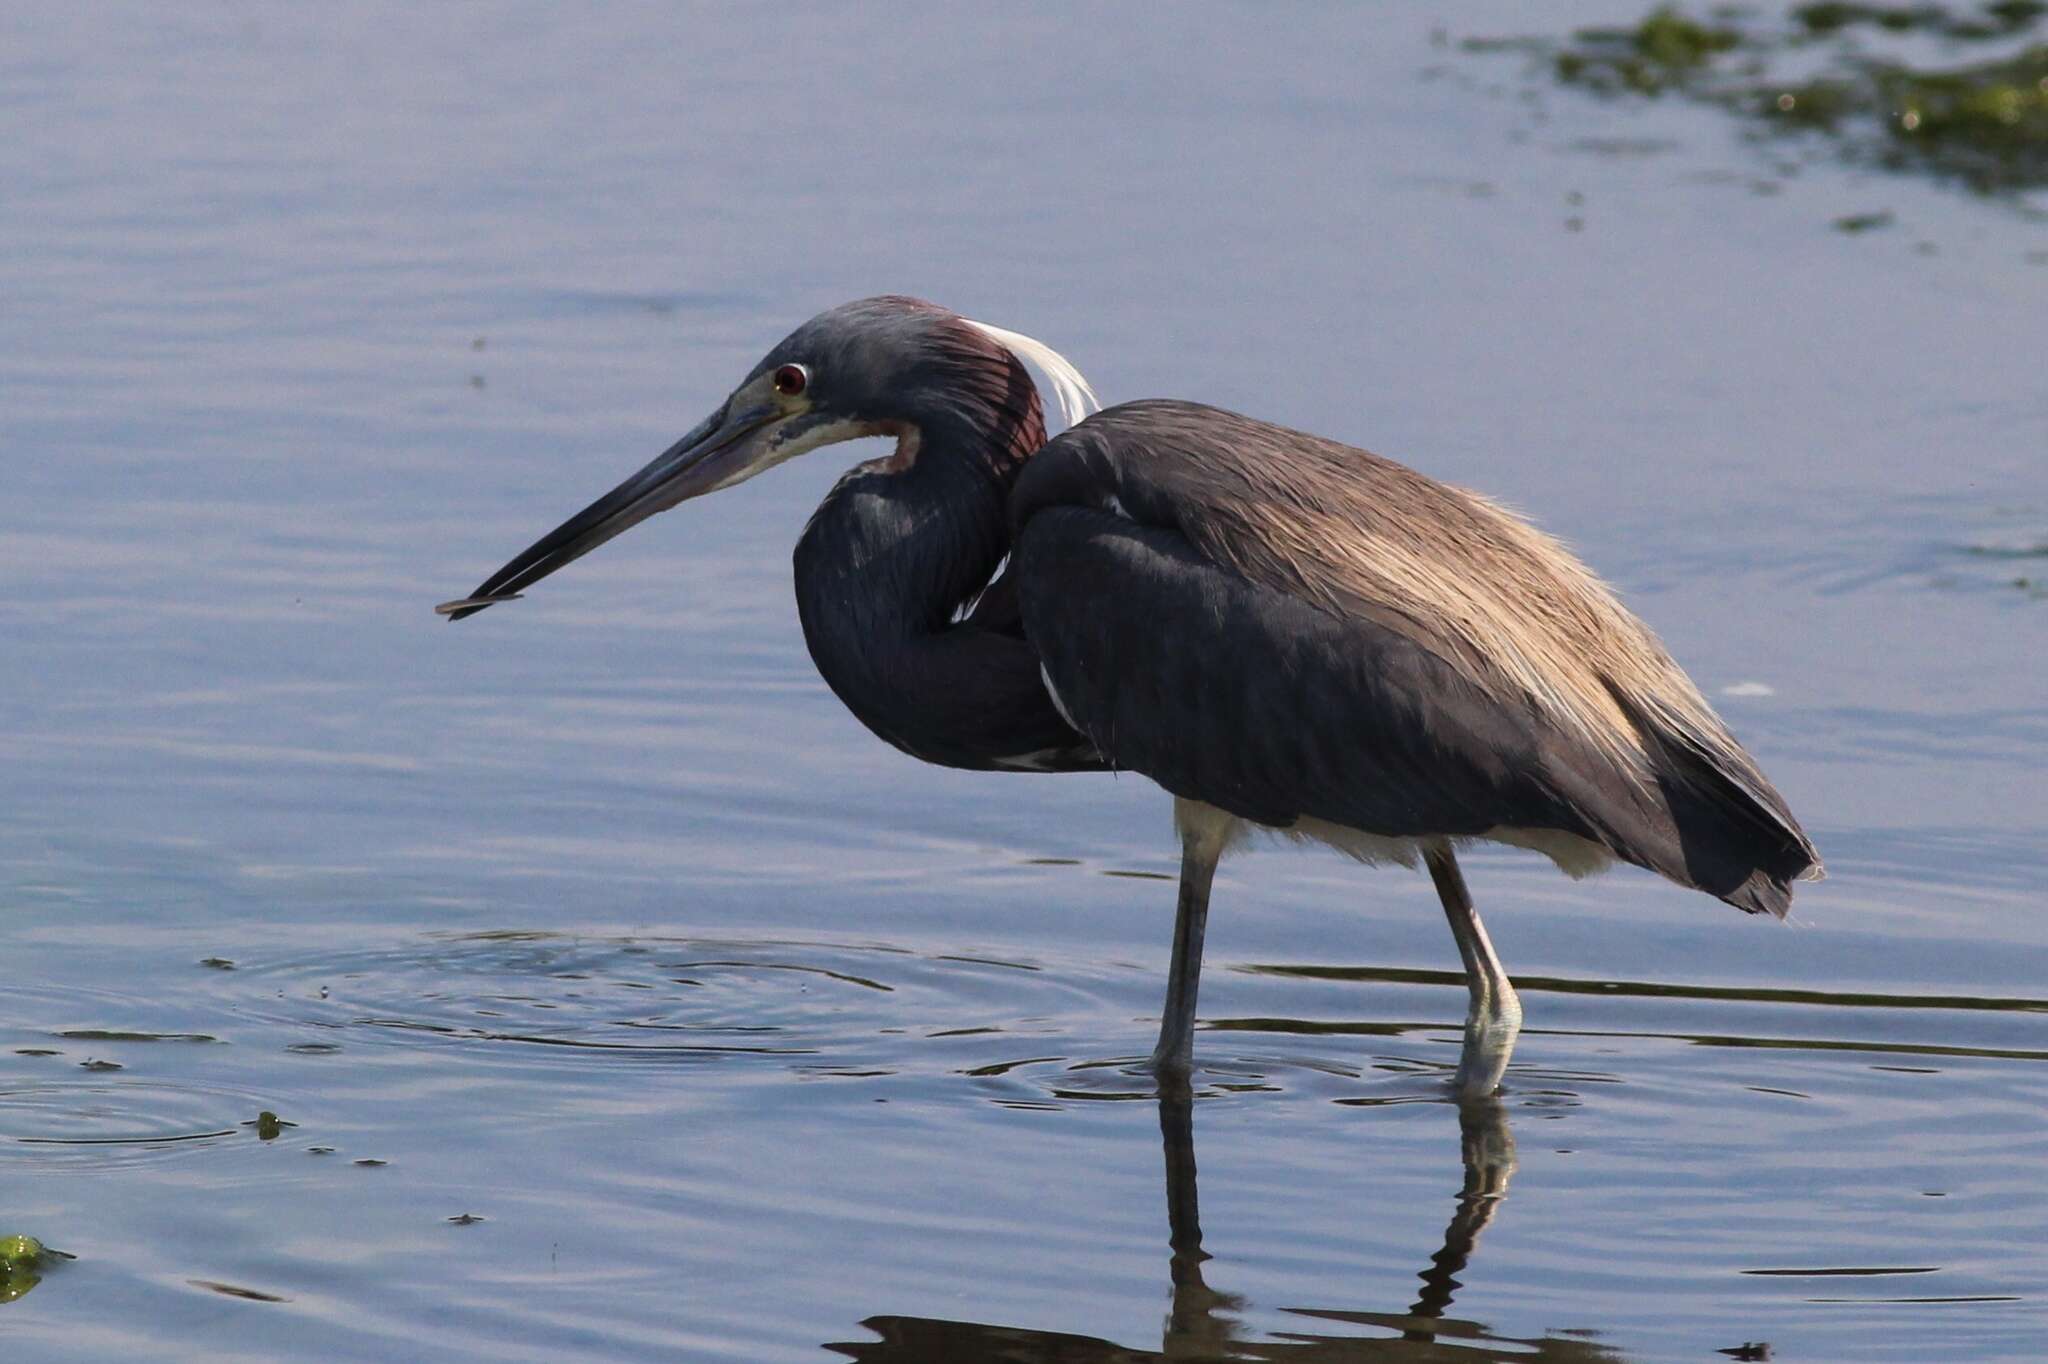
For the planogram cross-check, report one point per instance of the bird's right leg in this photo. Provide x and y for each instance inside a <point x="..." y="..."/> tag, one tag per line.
<point x="1205" y="832"/>
<point x="1495" y="1016"/>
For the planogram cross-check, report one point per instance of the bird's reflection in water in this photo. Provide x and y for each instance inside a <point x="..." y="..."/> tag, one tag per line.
<point x="1203" y="1322"/>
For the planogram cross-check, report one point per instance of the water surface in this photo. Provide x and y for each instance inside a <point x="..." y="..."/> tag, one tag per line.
<point x="614" y="995"/>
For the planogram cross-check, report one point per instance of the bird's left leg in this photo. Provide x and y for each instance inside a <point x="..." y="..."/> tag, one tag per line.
<point x="1495" y="1016"/>
<point x="1205" y="832"/>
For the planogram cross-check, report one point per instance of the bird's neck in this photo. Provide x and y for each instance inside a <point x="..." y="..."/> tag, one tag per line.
<point x="894" y="551"/>
<point x="899" y="543"/>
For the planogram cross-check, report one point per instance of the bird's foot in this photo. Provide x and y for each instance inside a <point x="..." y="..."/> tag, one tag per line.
<point x="1489" y="1043"/>
<point x="1172" y="1061"/>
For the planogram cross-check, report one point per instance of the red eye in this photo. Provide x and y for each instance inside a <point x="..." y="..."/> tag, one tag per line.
<point x="791" y="380"/>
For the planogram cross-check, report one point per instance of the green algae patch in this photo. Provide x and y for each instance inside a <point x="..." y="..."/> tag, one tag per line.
<point x="1999" y="20"/>
<point x="1664" y="51"/>
<point x="24" y="1252"/>
<point x="1861" y="82"/>
<point x="117" y="1035"/>
<point x="1985" y="123"/>
<point x="1672" y="40"/>
<point x="268" y="1126"/>
<point x="23" y="1259"/>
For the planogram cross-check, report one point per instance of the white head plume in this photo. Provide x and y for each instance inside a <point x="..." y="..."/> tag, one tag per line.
<point x="1075" y="398"/>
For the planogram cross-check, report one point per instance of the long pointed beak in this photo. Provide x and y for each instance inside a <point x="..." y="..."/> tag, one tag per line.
<point x="720" y="452"/>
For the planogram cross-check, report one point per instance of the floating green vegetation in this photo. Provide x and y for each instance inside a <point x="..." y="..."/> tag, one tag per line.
<point x="1975" y="114"/>
<point x="116" y="1035"/>
<point x="20" y="1252"/>
<point x="1663" y="52"/>
<point x="234" y="1290"/>
<point x="1999" y="20"/>
<point x="22" y="1262"/>
<point x="1986" y="124"/>
<point x="268" y="1126"/>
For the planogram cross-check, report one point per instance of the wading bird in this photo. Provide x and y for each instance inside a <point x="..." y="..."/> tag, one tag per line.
<point x="1284" y="632"/>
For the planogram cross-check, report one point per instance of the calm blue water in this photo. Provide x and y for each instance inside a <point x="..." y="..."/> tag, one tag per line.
<point x="747" y="1038"/>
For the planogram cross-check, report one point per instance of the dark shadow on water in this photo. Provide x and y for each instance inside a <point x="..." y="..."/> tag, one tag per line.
<point x="1646" y="989"/>
<point x="1204" y="1323"/>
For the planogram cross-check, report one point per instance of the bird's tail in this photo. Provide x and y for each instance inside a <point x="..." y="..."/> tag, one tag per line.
<point x="1735" y="836"/>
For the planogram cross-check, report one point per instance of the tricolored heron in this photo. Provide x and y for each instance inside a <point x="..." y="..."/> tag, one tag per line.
<point x="1284" y="632"/>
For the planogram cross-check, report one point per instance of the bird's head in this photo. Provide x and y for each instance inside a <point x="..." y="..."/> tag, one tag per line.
<point x="880" y="366"/>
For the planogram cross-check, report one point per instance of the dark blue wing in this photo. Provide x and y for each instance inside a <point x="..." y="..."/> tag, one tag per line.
<point x="1274" y="705"/>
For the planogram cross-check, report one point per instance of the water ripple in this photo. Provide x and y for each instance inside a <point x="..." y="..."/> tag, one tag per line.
<point x="99" y="1122"/>
<point x="582" y="1000"/>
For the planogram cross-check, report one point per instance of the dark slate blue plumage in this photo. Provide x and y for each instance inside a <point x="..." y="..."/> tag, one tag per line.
<point x="1266" y="701"/>
<point x="1277" y="628"/>
<point x="881" y="571"/>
